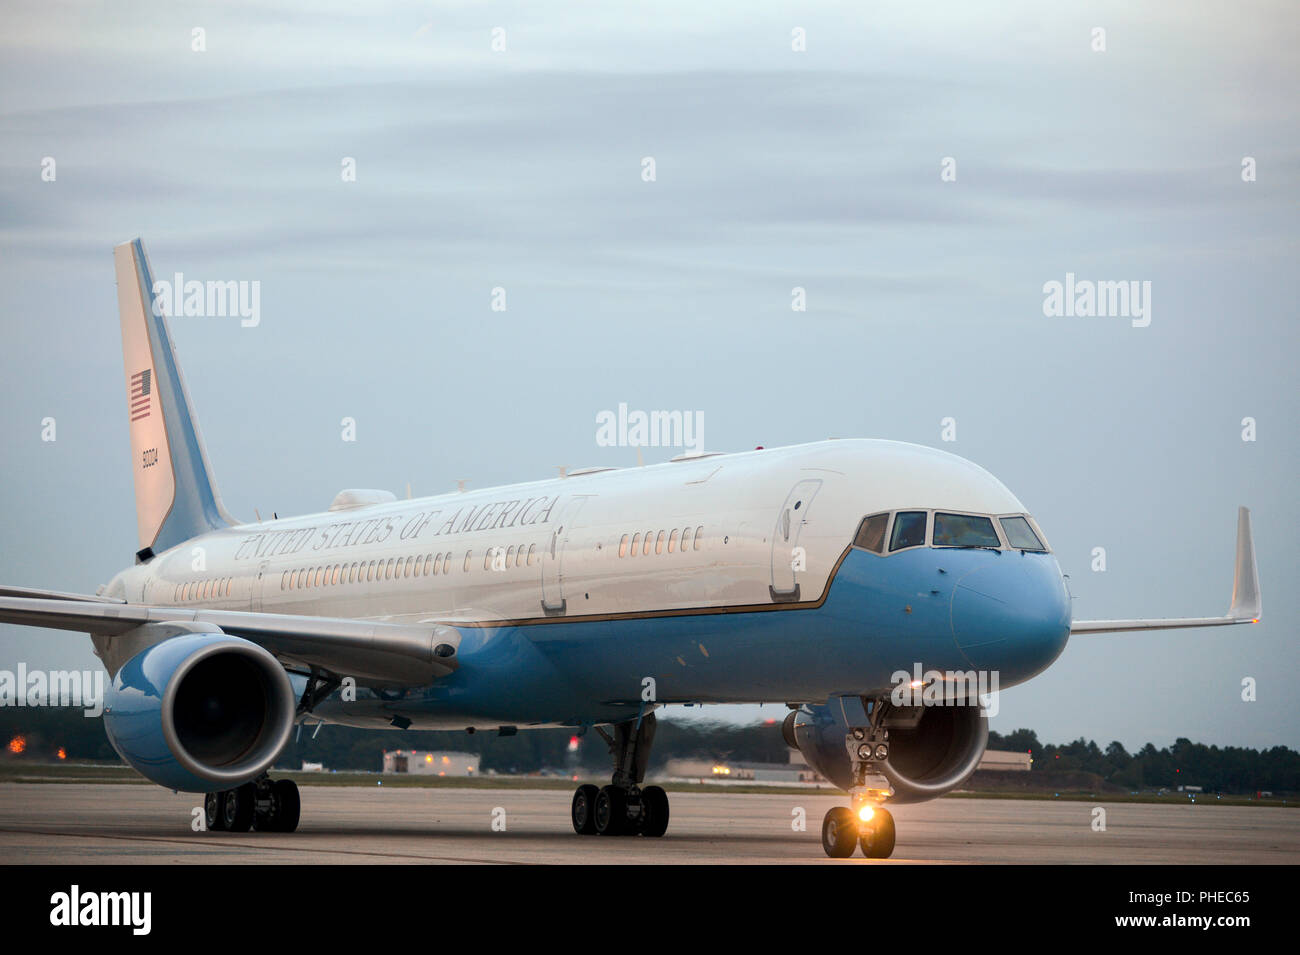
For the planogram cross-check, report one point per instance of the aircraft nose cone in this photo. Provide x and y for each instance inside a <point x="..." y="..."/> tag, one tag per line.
<point x="1011" y="615"/>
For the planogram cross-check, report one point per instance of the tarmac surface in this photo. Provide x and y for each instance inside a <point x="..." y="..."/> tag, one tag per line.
<point x="74" y="823"/>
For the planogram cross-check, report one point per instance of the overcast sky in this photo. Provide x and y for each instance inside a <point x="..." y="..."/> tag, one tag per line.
<point x="774" y="169"/>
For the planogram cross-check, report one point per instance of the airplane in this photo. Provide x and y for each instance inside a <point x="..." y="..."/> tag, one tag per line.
<point x="821" y="576"/>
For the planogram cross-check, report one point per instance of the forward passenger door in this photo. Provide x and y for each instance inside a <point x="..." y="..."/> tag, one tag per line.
<point x="787" y="557"/>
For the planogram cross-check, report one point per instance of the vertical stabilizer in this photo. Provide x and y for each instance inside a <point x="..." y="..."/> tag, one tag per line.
<point x="175" y="495"/>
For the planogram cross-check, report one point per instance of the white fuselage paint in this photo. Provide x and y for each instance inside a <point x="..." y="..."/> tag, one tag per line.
<point x="738" y="500"/>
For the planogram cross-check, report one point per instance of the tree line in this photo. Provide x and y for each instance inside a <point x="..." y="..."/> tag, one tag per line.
<point x="44" y="731"/>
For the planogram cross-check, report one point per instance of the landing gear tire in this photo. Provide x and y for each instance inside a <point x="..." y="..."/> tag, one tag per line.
<point x="611" y="811"/>
<point x="840" y="832"/>
<point x="584" y="810"/>
<point x="654" y="809"/>
<point x="286" y="808"/>
<point x="214" y="812"/>
<point x="878" y="836"/>
<point x="238" y="807"/>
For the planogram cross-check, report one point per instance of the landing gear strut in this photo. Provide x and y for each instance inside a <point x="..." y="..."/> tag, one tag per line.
<point x="867" y="824"/>
<point x="264" y="804"/>
<point x="624" y="808"/>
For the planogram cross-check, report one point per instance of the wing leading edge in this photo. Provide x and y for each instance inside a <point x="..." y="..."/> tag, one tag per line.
<point x="399" y="654"/>
<point x="1245" y="606"/>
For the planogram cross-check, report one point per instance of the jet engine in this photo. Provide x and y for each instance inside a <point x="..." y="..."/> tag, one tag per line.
<point x="200" y="712"/>
<point x="932" y="749"/>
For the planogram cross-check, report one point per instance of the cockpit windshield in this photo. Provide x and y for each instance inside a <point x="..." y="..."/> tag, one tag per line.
<point x="871" y="533"/>
<point x="1020" y="535"/>
<point x="964" y="530"/>
<point x="903" y="530"/>
<point x="909" y="530"/>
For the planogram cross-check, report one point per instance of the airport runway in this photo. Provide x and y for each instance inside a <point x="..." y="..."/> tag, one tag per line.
<point x="121" y="824"/>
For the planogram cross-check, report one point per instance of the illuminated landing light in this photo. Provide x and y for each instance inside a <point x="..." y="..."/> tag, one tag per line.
<point x="865" y="813"/>
<point x="917" y="684"/>
<point x="1255" y="620"/>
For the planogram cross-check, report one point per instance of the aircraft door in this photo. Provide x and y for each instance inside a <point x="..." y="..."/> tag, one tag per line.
<point x="255" y="594"/>
<point x="787" y="556"/>
<point x="554" y="603"/>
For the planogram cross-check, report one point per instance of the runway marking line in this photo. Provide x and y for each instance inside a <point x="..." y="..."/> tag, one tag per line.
<point x="189" y="843"/>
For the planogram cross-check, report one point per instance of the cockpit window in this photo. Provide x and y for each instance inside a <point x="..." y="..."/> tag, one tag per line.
<point x="871" y="533"/>
<point x="909" y="530"/>
<point x="1020" y="535"/>
<point x="964" y="530"/>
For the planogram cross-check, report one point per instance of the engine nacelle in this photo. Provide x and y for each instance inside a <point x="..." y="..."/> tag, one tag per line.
<point x="932" y="749"/>
<point x="200" y="712"/>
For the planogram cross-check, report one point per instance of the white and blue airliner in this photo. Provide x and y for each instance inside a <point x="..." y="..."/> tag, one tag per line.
<point x="869" y="585"/>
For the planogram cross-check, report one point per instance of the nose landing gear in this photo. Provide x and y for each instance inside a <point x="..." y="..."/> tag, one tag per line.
<point x="867" y="824"/>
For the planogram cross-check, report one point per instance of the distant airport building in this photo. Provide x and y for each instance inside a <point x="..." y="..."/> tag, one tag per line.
<point x="422" y="762"/>
<point x="796" y="771"/>
<point x="1003" y="761"/>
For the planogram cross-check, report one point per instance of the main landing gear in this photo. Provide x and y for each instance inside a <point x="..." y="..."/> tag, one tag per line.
<point x="867" y="824"/>
<point x="263" y="804"/>
<point x="624" y="808"/>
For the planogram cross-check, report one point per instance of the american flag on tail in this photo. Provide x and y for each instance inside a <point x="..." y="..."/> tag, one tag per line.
<point x="141" y="388"/>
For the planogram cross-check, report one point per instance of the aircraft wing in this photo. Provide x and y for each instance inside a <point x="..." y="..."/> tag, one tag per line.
<point x="55" y="595"/>
<point x="367" y="650"/>
<point x="1245" y="606"/>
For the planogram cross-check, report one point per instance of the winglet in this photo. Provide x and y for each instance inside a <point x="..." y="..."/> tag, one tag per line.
<point x="1246" y="604"/>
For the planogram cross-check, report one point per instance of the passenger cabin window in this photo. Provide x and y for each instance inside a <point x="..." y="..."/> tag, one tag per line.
<point x="871" y="533"/>
<point x="964" y="530"/>
<point x="1020" y="535"/>
<point x="909" y="530"/>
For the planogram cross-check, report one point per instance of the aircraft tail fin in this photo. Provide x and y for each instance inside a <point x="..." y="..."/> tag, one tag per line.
<point x="175" y="495"/>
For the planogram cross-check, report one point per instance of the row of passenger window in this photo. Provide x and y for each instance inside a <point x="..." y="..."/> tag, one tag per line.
<point x="668" y="539"/>
<point x="203" y="589"/>
<point x="421" y="565"/>
<point x="427" y="565"/>
<point x="909" y="529"/>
